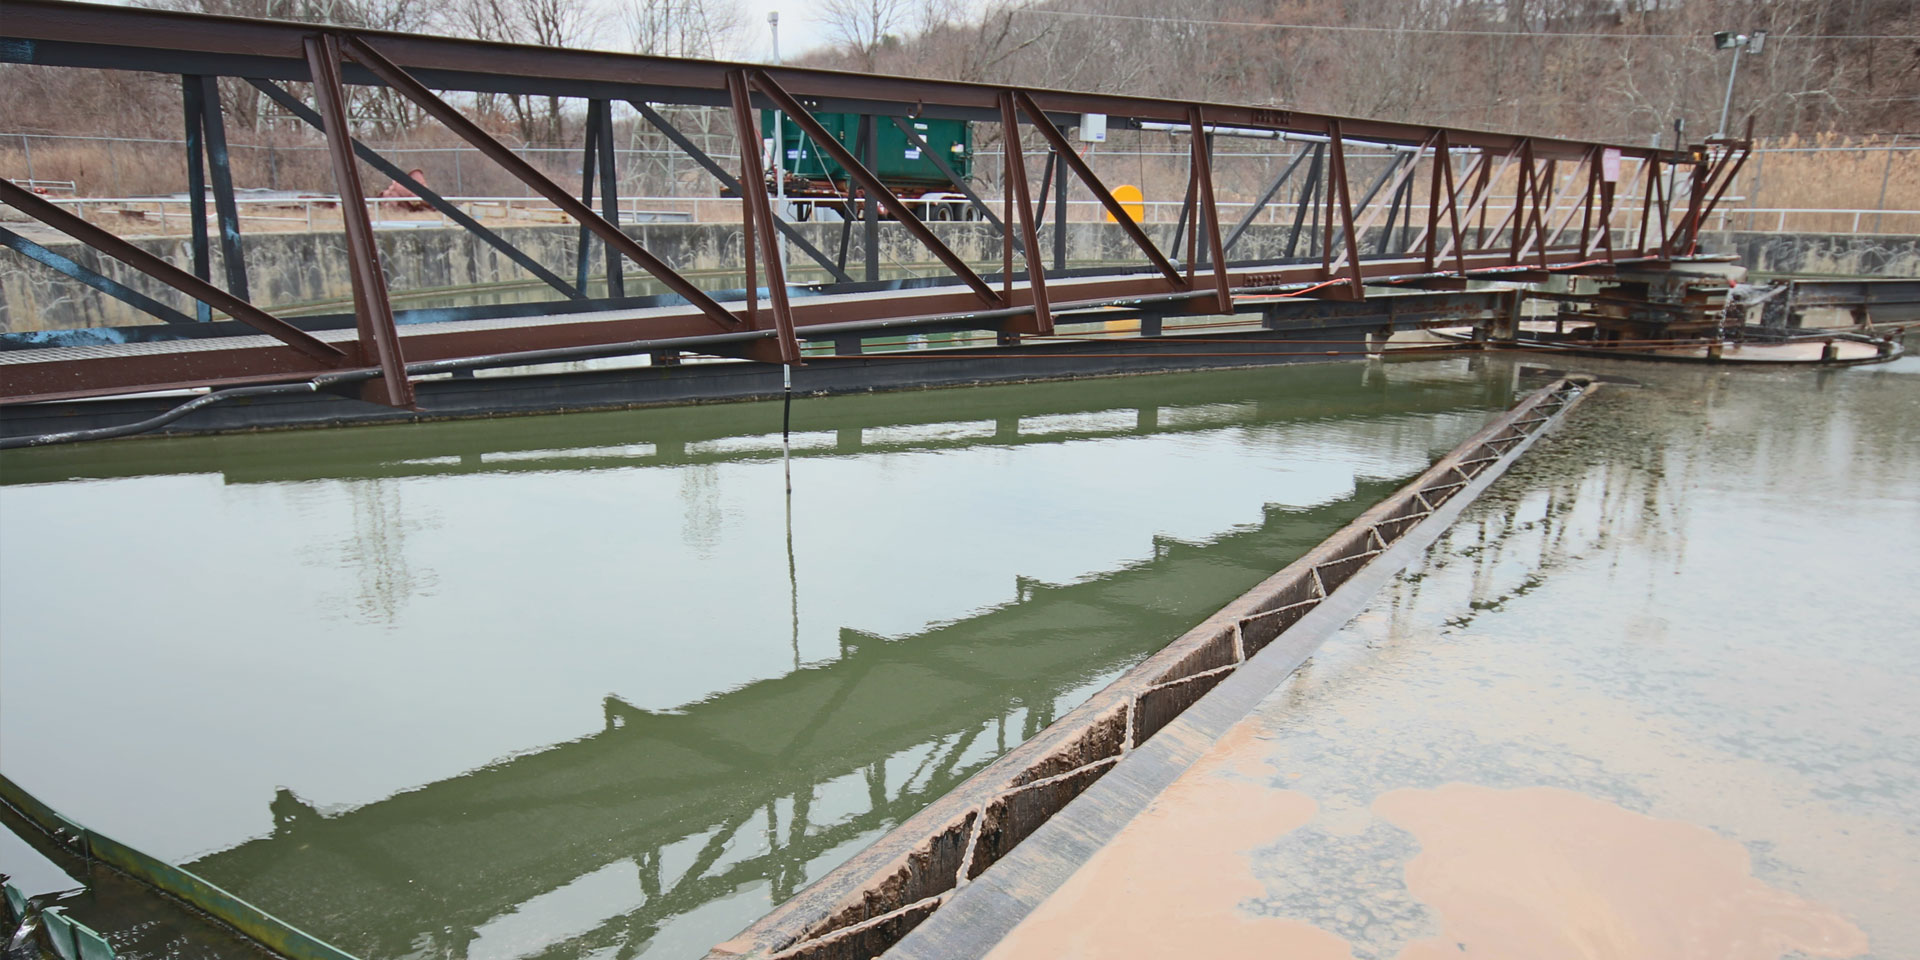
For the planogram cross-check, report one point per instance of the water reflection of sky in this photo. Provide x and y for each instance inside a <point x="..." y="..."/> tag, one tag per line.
<point x="418" y="614"/>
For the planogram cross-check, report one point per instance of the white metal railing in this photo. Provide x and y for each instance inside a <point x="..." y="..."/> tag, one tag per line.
<point x="321" y="212"/>
<point x="44" y="186"/>
<point x="396" y="211"/>
<point x="1804" y="220"/>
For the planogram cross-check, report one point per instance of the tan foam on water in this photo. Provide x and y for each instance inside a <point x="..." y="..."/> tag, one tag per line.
<point x="1170" y="884"/>
<point x="1547" y="873"/>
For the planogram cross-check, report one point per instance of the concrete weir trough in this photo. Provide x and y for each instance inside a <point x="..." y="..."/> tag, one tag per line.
<point x="953" y="879"/>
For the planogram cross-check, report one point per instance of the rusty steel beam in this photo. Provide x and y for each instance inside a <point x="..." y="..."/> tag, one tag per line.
<point x="220" y="177"/>
<point x="39" y="375"/>
<point x="1716" y="179"/>
<point x="203" y="48"/>
<point x="756" y="212"/>
<point x="372" y="309"/>
<point x="62" y="33"/>
<point x="1443" y="170"/>
<point x="111" y="245"/>
<point x="393" y="76"/>
<point x="1071" y="159"/>
<point x="1021" y="204"/>
<point x="1202" y="164"/>
<point x="192" y="96"/>
<point x="1337" y="178"/>
<point x="610" y="196"/>
<point x="1522" y="185"/>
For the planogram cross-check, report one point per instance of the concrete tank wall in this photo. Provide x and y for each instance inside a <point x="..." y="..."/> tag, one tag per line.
<point x="290" y="271"/>
<point x="1822" y="254"/>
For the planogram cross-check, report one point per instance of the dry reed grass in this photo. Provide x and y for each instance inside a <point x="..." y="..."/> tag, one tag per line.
<point x="1846" y="174"/>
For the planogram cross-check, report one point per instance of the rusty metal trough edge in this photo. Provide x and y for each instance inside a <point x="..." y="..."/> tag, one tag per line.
<point x="881" y="895"/>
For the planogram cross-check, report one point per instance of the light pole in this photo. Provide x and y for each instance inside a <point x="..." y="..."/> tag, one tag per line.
<point x="1725" y="40"/>
<point x="786" y="369"/>
<point x="779" y="145"/>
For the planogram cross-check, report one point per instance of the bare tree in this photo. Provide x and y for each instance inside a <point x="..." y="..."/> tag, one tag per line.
<point x="864" y="27"/>
<point x="684" y="28"/>
<point x="544" y="23"/>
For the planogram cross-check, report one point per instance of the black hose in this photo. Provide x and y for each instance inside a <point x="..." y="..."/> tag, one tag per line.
<point x="197" y="403"/>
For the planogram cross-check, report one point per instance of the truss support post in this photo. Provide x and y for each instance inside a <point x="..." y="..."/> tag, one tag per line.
<point x="868" y="138"/>
<point x="589" y="160"/>
<point x="379" y="341"/>
<point x="610" y="197"/>
<point x="1341" y="191"/>
<point x="1209" y="213"/>
<point x="1019" y="198"/>
<point x="192" y="95"/>
<point x="1046" y="184"/>
<point x="220" y="176"/>
<point x="1307" y="194"/>
<point x="757" y="213"/>
<point x="1060" y="220"/>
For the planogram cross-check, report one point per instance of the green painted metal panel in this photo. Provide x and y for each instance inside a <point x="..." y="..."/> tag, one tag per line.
<point x="270" y="931"/>
<point x="92" y="945"/>
<point x="37" y="813"/>
<point x="60" y="931"/>
<point x="16" y="903"/>
<point x="899" y="161"/>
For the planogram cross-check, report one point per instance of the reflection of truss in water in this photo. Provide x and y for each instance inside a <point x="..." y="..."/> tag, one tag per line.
<point x="425" y="870"/>
<point x="377" y="553"/>
<point x="768" y="784"/>
<point x="1035" y="413"/>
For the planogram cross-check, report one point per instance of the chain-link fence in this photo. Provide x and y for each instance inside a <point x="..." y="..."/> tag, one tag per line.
<point x="1817" y="185"/>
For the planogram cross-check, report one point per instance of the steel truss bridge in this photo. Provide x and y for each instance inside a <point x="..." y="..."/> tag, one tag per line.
<point x="1452" y="205"/>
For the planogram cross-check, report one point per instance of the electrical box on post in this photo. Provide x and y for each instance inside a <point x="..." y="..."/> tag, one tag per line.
<point x="1093" y="128"/>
